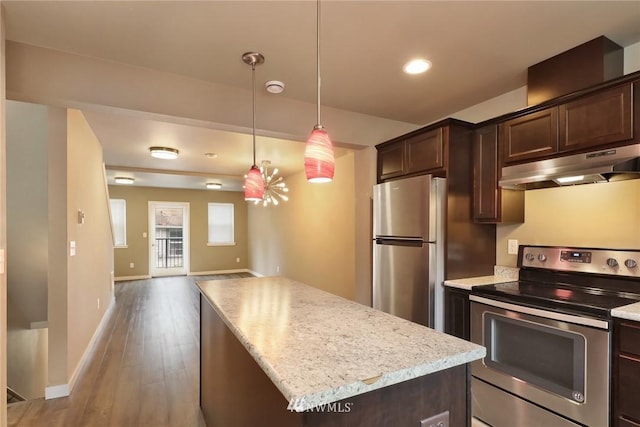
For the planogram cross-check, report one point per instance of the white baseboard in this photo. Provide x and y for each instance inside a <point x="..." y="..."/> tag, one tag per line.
<point x="124" y="278"/>
<point x="63" y="390"/>
<point x="55" y="391"/>
<point x="255" y="273"/>
<point x="210" y="273"/>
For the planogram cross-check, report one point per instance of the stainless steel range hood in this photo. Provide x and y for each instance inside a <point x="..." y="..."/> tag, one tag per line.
<point x="597" y="166"/>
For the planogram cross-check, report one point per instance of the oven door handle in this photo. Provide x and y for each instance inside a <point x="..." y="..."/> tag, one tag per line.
<point x="585" y="321"/>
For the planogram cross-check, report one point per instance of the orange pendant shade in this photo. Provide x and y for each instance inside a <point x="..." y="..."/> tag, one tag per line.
<point x="319" y="161"/>
<point x="253" y="185"/>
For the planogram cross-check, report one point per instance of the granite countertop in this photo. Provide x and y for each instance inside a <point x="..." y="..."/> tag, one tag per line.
<point x="501" y="275"/>
<point x="629" y="312"/>
<point x="318" y="348"/>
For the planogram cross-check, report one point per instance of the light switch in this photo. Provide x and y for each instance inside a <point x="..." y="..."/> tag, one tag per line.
<point x="80" y="216"/>
<point x="72" y="248"/>
<point x="512" y="247"/>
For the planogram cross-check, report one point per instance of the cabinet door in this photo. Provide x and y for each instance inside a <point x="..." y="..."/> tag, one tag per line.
<point x="626" y="394"/>
<point x="629" y="392"/>
<point x="486" y="196"/>
<point x="391" y="160"/>
<point x="425" y="151"/>
<point x="456" y="313"/>
<point x="599" y="119"/>
<point x="531" y="136"/>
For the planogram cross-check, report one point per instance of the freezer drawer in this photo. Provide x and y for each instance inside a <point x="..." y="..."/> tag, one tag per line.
<point x="402" y="285"/>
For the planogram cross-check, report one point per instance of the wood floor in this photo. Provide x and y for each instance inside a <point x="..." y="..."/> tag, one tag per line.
<point x="144" y="370"/>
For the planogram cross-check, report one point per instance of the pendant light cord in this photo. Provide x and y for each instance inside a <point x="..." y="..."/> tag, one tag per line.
<point x="318" y="54"/>
<point x="253" y="91"/>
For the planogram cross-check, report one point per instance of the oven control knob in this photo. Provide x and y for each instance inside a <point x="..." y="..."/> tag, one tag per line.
<point x="612" y="262"/>
<point x="630" y="263"/>
<point x="530" y="257"/>
<point x="542" y="257"/>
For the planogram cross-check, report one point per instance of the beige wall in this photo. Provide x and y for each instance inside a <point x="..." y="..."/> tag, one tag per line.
<point x="311" y="238"/>
<point x="90" y="284"/>
<point x="203" y="258"/>
<point x="27" y="231"/>
<point x="3" y="227"/>
<point x="57" y="273"/>
<point x="594" y="215"/>
<point x="365" y="179"/>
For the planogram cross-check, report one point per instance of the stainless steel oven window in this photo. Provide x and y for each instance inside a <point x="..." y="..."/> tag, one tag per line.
<point x="550" y="358"/>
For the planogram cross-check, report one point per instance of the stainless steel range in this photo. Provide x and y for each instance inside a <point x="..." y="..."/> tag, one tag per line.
<point x="548" y="337"/>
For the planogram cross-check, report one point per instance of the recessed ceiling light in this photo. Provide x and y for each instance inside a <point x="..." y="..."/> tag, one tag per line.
<point x="213" y="185"/>
<point x="164" y="153"/>
<point x="124" y="180"/>
<point x="416" y="66"/>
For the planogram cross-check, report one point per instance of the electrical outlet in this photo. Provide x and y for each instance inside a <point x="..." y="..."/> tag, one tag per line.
<point x="277" y="269"/>
<point x="131" y="265"/>
<point x="512" y="247"/>
<point x="439" y="420"/>
<point x="238" y="259"/>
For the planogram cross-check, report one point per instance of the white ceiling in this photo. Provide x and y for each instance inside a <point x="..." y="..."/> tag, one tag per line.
<point x="479" y="50"/>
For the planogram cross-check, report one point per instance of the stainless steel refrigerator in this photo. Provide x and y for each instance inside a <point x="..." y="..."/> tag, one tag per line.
<point x="408" y="249"/>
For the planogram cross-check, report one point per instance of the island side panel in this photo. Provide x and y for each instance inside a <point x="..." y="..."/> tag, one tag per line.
<point x="234" y="390"/>
<point x="403" y="404"/>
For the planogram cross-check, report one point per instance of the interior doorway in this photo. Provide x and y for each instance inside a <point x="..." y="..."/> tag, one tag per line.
<point x="168" y="238"/>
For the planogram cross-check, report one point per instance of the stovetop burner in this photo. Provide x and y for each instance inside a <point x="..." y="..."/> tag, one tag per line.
<point x="581" y="281"/>
<point x="560" y="297"/>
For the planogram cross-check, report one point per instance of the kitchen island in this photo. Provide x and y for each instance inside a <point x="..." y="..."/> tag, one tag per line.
<point x="277" y="352"/>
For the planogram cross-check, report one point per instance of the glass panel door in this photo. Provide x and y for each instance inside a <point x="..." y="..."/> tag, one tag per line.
<point x="550" y="358"/>
<point x="168" y="243"/>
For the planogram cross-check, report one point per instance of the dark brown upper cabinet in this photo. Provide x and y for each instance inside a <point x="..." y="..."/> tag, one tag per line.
<point x="599" y="119"/>
<point x="603" y="117"/>
<point x="492" y="204"/>
<point x="391" y="161"/>
<point x="530" y="136"/>
<point x="425" y="150"/>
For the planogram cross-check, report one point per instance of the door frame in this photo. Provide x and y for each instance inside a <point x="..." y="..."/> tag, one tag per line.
<point x="152" y="205"/>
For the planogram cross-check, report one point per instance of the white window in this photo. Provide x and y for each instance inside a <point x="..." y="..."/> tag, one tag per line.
<point x="119" y="222"/>
<point x="221" y="224"/>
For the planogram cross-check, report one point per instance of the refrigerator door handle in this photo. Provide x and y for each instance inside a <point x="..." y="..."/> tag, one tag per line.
<point x="415" y="242"/>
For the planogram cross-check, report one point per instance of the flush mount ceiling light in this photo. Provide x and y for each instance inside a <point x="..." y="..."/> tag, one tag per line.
<point x="124" y="180"/>
<point x="274" y="187"/>
<point x="164" y="153"/>
<point x="319" y="161"/>
<point x="274" y="86"/>
<point x="210" y="155"/>
<point x="253" y="182"/>
<point x="213" y="185"/>
<point x="416" y="66"/>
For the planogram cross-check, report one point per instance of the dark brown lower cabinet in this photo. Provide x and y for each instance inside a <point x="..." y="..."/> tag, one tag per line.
<point x="236" y="392"/>
<point x="626" y="373"/>
<point x="456" y="313"/>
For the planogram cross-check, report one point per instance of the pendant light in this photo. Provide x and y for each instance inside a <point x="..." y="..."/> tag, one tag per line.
<point x="253" y="182"/>
<point x="319" y="162"/>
